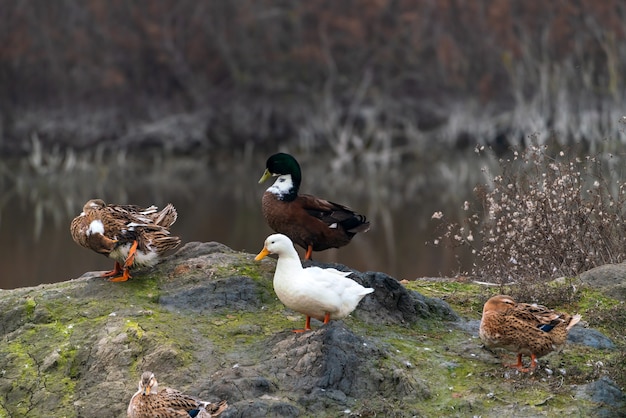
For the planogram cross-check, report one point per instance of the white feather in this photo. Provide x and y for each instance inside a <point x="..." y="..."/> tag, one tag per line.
<point x="148" y="211"/>
<point x="132" y="225"/>
<point x="282" y="186"/>
<point x="120" y="254"/>
<point x="95" y="227"/>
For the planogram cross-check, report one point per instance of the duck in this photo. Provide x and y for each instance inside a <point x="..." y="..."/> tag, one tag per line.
<point x="150" y="402"/>
<point x="314" y="224"/>
<point x="320" y="293"/>
<point x="131" y="235"/>
<point x="526" y="329"/>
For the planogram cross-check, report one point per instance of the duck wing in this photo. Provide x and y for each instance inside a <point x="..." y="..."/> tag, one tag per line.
<point x="125" y="214"/>
<point x="330" y="280"/>
<point x="333" y="214"/>
<point x="175" y="399"/>
<point x="166" y="216"/>
<point x="536" y="315"/>
<point x="511" y="331"/>
<point x="212" y="409"/>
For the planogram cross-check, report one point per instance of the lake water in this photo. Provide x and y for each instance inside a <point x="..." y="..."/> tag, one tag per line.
<point x="218" y="199"/>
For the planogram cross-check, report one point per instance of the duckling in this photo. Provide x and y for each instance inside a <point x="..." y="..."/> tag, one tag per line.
<point x="321" y="293"/>
<point x="526" y="329"/>
<point x="150" y="402"/>
<point x="130" y="235"/>
<point x="314" y="224"/>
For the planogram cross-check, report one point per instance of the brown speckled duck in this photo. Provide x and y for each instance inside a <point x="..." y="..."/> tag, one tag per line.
<point x="314" y="224"/>
<point x="150" y="402"/>
<point x="130" y="235"/>
<point x="526" y="329"/>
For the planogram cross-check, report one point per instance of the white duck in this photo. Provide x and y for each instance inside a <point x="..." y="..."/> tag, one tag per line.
<point x="319" y="293"/>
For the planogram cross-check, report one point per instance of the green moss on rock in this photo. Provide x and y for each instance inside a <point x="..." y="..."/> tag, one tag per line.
<point x="206" y="321"/>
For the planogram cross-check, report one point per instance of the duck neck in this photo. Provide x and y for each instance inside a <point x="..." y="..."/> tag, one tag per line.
<point x="285" y="187"/>
<point x="289" y="262"/>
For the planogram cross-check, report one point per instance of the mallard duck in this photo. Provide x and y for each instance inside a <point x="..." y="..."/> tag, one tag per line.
<point x="130" y="235"/>
<point x="321" y="293"/>
<point x="524" y="328"/>
<point x="314" y="224"/>
<point x="150" y="402"/>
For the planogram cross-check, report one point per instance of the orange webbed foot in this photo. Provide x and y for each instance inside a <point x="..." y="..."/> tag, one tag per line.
<point x="520" y="366"/>
<point x="517" y="365"/>
<point x="307" y="326"/>
<point x="124" y="277"/>
<point x="533" y="362"/>
<point x="116" y="270"/>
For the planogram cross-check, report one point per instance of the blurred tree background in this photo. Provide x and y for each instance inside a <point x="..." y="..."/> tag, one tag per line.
<point x="404" y="72"/>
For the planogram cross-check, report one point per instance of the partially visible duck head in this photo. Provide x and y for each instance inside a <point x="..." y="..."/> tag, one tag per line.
<point x="499" y="303"/>
<point x="148" y="384"/>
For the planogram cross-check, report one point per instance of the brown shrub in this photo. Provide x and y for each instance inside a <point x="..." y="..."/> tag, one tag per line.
<point x="545" y="216"/>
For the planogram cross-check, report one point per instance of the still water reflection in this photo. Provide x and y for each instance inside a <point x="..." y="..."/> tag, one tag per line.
<point x="218" y="199"/>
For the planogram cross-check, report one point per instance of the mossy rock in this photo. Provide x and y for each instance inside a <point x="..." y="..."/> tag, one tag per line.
<point x="206" y="321"/>
<point x="609" y="278"/>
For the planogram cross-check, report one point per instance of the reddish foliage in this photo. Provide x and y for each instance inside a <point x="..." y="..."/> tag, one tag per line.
<point x="168" y="48"/>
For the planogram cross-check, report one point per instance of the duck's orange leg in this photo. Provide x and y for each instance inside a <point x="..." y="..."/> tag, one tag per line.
<point x="130" y="259"/>
<point x="116" y="270"/>
<point x="307" y="325"/>
<point x="131" y="255"/>
<point x="309" y="252"/>
<point x="520" y="366"/>
<point x="327" y="318"/>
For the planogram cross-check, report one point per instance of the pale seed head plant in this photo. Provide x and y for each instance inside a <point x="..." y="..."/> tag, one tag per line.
<point x="547" y="215"/>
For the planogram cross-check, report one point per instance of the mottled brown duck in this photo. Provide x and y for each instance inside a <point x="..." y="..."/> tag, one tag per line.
<point x="314" y="224"/>
<point x="149" y="402"/>
<point x="526" y="329"/>
<point x="131" y="235"/>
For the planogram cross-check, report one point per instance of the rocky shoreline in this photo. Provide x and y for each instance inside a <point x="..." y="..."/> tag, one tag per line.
<point x="206" y="321"/>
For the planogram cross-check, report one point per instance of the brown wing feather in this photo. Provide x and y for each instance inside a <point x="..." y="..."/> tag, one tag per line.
<point x="213" y="409"/>
<point x="173" y="398"/>
<point x="539" y="313"/>
<point x="333" y="213"/>
<point x="167" y="216"/>
<point x="308" y="220"/>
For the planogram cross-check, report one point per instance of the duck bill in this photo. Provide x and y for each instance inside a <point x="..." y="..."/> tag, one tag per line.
<point x="266" y="175"/>
<point x="260" y="256"/>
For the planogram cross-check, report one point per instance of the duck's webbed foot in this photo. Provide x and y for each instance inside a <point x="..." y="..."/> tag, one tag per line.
<point x="117" y="269"/>
<point x="307" y="325"/>
<point x="520" y="366"/>
<point x="125" y="276"/>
